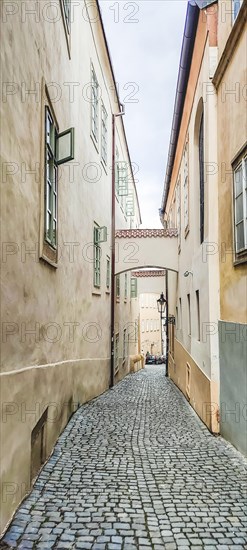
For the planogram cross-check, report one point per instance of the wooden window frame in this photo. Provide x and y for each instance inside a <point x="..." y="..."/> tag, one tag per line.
<point x="240" y="255"/>
<point x="96" y="258"/>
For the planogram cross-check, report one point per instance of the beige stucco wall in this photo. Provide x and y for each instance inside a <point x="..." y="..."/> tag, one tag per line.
<point x="200" y="391"/>
<point x="202" y="353"/>
<point x="231" y="122"/>
<point x="67" y="358"/>
<point x="150" y="323"/>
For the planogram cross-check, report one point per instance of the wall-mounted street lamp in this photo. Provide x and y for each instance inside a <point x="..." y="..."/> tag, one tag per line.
<point x="161" y="303"/>
<point x="187" y="273"/>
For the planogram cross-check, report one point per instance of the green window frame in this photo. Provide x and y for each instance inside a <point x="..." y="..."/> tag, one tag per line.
<point x="51" y="183"/>
<point x="104" y="133"/>
<point x="97" y="257"/>
<point x="133" y="286"/>
<point x="116" y="354"/>
<point x="130" y="204"/>
<point x="67" y="13"/>
<point x="125" y="286"/>
<point x="108" y="272"/>
<point x="94" y="105"/>
<point x="117" y="286"/>
<point x="124" y="344"/>
<point x="240" y="206"/>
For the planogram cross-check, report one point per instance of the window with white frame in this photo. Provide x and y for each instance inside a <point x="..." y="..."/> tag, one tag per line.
<point x="186" y="187"/>
<point x="178" y="211"/>
<point x="125" y="286"/>
<point x="236" y="5"/>
<point x="240" y="206"/>
<point x="117" y="286"/>
<point x="104" y="134"/>
<point x="108" y="272"/>
<point x="51" y="182"/>
<point x="147" y="325"/>
<point x="94" y="105"/>
<point x="143" y="325"/>
<point x="133" y="287"/>
<point x="124" y="344"/>
<point x="97" y="256"/>
<point x="116" y="355"/>
<point x="117" y="172"/>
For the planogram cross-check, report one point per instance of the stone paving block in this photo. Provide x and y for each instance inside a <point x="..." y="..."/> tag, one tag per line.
<point x="136" y="469"/>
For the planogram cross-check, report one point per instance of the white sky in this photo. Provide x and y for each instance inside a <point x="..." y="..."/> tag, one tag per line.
<point x="145" y="39"/>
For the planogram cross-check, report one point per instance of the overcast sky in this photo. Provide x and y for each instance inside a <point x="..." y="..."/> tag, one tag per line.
<point x="144" y="39"/>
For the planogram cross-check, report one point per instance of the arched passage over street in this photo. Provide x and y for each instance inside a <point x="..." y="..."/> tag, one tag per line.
<point x="146" y="248"/>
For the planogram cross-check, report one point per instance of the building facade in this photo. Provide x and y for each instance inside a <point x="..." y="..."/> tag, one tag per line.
<point x="58" y="97"/>
<point x="230" y="86"/>
<point x="208" y="137"/>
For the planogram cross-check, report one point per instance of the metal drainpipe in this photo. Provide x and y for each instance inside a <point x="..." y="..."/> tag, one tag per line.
<point x="113" y="213"/>
<point x="167" y="325"/>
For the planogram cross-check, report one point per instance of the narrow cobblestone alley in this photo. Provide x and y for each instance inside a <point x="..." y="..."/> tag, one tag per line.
<point x="136" y="469"/>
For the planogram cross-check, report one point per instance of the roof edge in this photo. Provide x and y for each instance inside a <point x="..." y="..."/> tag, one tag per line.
<point x="189" y="35"/>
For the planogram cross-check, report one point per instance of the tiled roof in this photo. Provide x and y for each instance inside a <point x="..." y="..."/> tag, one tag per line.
<point x="154" y="273"/>
<point x="144" y="233"/>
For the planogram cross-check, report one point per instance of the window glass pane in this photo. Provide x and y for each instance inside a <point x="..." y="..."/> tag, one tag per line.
<point x="240" y="236"/>
<point x="239" y="208"/>
<point x="238" y="179"/>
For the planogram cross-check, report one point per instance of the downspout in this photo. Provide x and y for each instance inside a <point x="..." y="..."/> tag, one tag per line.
<point x="113" y="213"/>
<point x="167" y="325"/>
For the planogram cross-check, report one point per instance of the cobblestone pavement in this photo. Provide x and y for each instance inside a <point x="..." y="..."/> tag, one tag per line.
<point x="136" y="469"/>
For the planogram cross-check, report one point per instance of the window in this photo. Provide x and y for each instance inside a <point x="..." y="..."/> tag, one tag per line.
<point x="201" y="176"/>
<point x="189" y="315"/>
<point x="130" y="205"/>
<point x="143" y="325"/>
<point x="97" y="257"/>
<point x="133" y="287"/>
<point x="117" y="286"/>
<point x="147" y="325"/>
<point x="51" y="182"/>
<point x="186" y="188"/>
<point x="198" y="315"/>
<point x="104" y="134"/>
<point x="240" y="206"/>
<point x="95" y="105"/>
<point x="67" y="13"/>
<point x="236" y="5"/>
<point x="124" y="344"/>
<point x="177" y="321"/>
<point x="108" y="272"/>
<point x="188" y="378"/>
<point x="151" y="325"/>
<point x="178" y="207"/>
<point x="180" y="313"/>
<point x="125" y="286"/>
<point x="116" y="355"/>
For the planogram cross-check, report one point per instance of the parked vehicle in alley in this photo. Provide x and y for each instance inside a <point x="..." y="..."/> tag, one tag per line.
<point x="150" y="359"/>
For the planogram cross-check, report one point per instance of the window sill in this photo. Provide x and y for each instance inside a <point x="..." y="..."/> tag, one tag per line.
<point x="118" y="300"/>
<point x="46" y="260"/>
<point x="108" y="292"/>
<point x="96" y="292"/>
<point x="239" y="260"/>
<point x="125" y="300"/>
